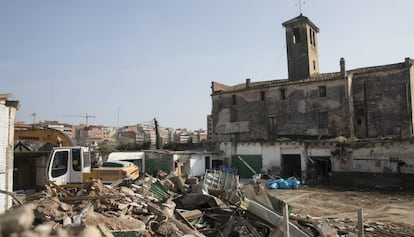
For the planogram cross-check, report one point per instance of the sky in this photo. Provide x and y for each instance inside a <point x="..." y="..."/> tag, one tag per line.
<point x="130" y="61"/>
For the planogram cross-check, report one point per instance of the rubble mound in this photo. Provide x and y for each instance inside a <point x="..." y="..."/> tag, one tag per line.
<point x="164" y="207"/>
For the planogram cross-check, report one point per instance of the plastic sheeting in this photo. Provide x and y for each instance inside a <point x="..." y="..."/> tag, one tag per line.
<point x="290" y="183"/>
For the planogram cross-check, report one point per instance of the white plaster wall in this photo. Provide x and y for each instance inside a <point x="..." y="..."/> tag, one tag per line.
<point x="249" y="149"/>
<point x="3" y="157"/>
<point x="370" y="160"/>
<point x="381" y="157"/>
<point x="6" y="154"/>
<point x="319" y="152"/>
<point x="271" y="152"/>
<point x="291" y="148"/>
<point x="271" y="155"/>
<point x="197" y="164"/>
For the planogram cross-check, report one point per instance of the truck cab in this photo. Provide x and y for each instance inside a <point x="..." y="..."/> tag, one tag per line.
<point x="70" y="167"/>
<point x="68" y="164"/>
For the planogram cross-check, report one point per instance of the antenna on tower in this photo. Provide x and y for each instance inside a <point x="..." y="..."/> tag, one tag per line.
<point x="300" y="3"/>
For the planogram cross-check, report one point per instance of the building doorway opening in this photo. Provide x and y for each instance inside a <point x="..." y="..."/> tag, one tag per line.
<point x="215" y="164"/>
<point x="207" y="162"/>
<point x="291" y="166"/>
<point x="320" y="167"/>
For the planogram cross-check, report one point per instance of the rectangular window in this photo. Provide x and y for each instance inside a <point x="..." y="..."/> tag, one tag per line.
<point x="272" y="126"/>
<point x="314" y="39"/>
<point x="323" y="119"/>
<point x="283" y="94"/>
<point x="233" y="99"/>
<point x="322" y="91"/>
<point x="86" y="159"/>
<point x="262" y="96"/>
<point x="296" y="35"/>
<point x="310" y="36"/>
<point x="314" y="65"/>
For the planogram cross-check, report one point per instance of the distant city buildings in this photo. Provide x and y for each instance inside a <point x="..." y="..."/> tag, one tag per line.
<point x="95" y="135"/>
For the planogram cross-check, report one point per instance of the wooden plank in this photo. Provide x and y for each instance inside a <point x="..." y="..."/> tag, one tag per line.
<point x="286" y="220"/>
<point x="54" y="185"/>
<point x="360" y="226"/>
<point x="104" y="230"/>
<point x="190" y="214"/>
<point x="82" y="198"/>
<point x="271" y="217"/>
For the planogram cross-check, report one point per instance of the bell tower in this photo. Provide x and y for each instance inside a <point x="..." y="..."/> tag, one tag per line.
<point x="302" y="48"/>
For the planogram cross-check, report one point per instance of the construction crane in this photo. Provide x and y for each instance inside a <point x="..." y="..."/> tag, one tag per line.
<point x="86" y="116"/>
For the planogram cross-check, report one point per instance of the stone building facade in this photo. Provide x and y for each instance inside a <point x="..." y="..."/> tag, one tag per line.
<point x="310" y="107"/>
<point x="362" y="103"/>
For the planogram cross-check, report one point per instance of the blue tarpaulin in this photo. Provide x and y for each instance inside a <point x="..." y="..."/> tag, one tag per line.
<point x="290" y="183"/>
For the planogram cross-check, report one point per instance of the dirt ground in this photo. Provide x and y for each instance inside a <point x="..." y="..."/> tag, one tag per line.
<point x="379" y="207"/>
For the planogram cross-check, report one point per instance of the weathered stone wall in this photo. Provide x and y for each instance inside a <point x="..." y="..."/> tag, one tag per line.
<point x="302" y="53"/>
<point x="245" y="115"/>
<point x="388" y="156"/>
<point x="382" y="104"/>
<point x="298" y="114"/>
<point x="387" y="163"/>
<point x="298" y="57"/>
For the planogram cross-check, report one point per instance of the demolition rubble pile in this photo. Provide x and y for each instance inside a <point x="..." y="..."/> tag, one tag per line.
<point x="166" y="206"/>
<point x="169" y="205"/>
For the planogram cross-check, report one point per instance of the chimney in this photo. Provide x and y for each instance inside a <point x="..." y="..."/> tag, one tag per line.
<point x="342" y="65"/>
<point x="408" y="62"/>
<point x="247" y="83"/>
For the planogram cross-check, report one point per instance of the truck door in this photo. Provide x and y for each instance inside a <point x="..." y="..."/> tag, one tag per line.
<point x="59" y="171"/>
<point x="76" y="166"/>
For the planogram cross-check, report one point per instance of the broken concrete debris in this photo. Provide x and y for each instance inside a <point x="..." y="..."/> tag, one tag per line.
<point x="213" y="205"/>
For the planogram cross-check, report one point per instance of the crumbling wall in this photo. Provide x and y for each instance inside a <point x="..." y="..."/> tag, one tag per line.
<point x="362" y="163"/>
<point x="272" y="152"/>
<point x="268" y="112"/>
<point x="299" y="113"/>
<point x="382" y="104"/>
<point x="387" y="162"/>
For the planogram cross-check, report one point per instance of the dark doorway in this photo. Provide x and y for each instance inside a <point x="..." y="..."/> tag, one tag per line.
<point x="207" y="159"/>
<point x="291" y="166"/>
<point x="215" y="164"/>
<point x="320" y="167"/>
